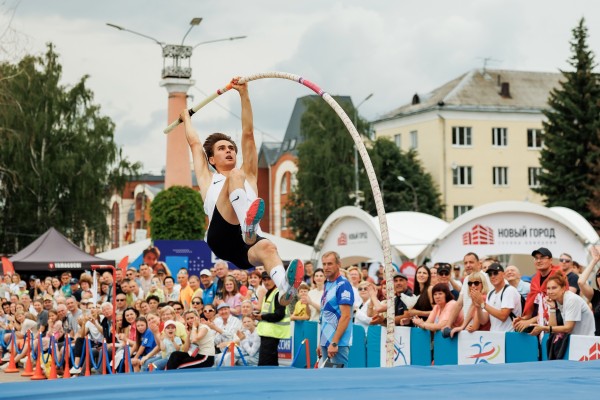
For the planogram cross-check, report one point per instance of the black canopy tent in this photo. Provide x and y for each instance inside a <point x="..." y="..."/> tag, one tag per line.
<point x="54" y="252"/>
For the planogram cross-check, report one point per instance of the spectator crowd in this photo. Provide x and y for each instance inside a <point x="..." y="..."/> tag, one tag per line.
<point x="174" y="321"/>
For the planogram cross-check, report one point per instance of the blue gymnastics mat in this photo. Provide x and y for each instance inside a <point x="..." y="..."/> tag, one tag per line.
<point x="538" y="380"/>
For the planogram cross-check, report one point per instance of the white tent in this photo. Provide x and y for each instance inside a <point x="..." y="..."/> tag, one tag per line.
<point x="514" y="227"/>
<point x="355" y="235"/>
<point x="133" y="251"/>
<point x="289" y="250"/>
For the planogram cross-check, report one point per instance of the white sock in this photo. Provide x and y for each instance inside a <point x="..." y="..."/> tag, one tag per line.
<point x="239" y="201"/>
<point x="278" y="275"/>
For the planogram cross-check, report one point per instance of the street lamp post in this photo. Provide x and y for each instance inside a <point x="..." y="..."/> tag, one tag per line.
<point x="357" y="195"/>
<point x="415" y="199"/>
<point x="176" y="78"/>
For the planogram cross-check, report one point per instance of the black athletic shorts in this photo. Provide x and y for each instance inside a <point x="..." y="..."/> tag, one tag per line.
<point x="225" y="240"/>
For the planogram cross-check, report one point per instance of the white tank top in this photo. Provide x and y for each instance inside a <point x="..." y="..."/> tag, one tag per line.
<point x="212" y="194"/>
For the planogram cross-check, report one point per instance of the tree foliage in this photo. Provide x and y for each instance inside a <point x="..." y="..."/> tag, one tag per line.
<point x="417" y="193"/>
<point x="326" y="172"/>
<point x="177" y="214"/>
<point x="570" y="158"/>
<point x="325" y="168"/>
<point x="58" y="160"/>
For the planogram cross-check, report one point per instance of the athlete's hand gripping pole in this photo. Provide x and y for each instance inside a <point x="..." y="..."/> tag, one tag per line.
<point x="198" y="106"/>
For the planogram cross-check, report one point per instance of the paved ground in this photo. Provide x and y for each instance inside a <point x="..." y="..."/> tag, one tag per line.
<point x="16" y="377"/>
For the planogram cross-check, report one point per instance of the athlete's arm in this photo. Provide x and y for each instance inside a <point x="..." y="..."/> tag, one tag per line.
<point x="249" y="153"/>
<point x="203" y="174"/>
<point x="587" y="292"/>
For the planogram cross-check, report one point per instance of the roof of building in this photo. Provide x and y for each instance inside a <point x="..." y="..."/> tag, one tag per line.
<point x="486" y="90"/>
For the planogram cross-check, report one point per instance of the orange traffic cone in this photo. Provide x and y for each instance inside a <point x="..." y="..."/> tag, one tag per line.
<point x="66" y="369"/>
<point x="39" y="372"/>
<point x="52" y="374"/>
<point x="28" y="365"/>
<point x="307" y="346"/>
<point x="126" y="359"/>
<point x="104" y="356"/>
<point x="12" y="365"/>
<point x="232" y="353"/>
<point x="87" y="356"/>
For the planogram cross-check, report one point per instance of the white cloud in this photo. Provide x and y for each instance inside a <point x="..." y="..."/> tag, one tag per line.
<point x="391" y="49"/>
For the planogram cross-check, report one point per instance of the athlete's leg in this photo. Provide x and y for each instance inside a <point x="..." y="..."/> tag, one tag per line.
<point x="233" y="201"/>
<point x="265" y="253"/>
<point x="235" y="181"/>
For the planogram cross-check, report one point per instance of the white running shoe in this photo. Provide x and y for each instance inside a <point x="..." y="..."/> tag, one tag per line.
<point x="75" y="371"/>
<point x="253" y="216"/>
<point x="295" y="277"/>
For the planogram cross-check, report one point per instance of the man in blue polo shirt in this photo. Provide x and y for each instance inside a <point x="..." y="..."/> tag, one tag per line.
<point x="336" y="313"/>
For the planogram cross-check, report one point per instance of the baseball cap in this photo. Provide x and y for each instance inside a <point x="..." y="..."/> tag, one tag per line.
<point x="495" y="267"/>
<point x="265" y="275"/>
<point x="22" y="284"/>
<point x="444" y="267"/>
<point x="74" y="281"/>
<point x="170" y="322"/>
<point x="400" y="275"/>
<point x="222" y="305"/>
<point x="47" y="297"/>
<point x="33" y="278"/>
<point x="161" y="271"/>
<point x="205" y="272"/>
<point x="543" y="251"/>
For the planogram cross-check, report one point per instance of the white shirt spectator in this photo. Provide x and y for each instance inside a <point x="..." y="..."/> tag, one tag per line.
<point x="229" y="330"/>
<point x="509" y="298"/>
<point x="574" y="308"/>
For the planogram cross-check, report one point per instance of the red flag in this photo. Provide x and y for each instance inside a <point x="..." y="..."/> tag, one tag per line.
<point x="7" y="266"/>
<point x="123" y="264"/>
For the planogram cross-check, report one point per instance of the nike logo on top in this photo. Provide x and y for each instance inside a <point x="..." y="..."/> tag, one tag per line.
<point x="237" y="198"/>
<point x="214" y="183"/>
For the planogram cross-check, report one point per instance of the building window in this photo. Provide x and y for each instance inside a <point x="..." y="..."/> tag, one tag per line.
<point x="398" y="140"/>
<point x="283" y="219"/>
<point x="462" y="176"/>
<point x="534" y="139"/>
<point x="534" y="176"/>
<point x="461" y="136"/>
<point x="284" y="184"/>
<point x="499" y="137"/>
<point x="414" y="140"/>
<point x="500" y="177"/>
<point x="460" y="210"/>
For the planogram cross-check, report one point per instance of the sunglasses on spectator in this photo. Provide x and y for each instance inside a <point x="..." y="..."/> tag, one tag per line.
<point x="121" y="299"/>
<point x="443" y="273"/>
<point x="564" y="260"/>
<point x="196" y="303"/>
<point x="362" y="289"/>
<point x="474" y="283"/>
<point x="493" y="273"/>
<point x="177" y="308"/>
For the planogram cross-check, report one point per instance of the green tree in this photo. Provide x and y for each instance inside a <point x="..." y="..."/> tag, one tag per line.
<point x="325" y="168"/>
<point x="58" y="160"/>
<point x="390" y="163"/>
<point x="177" y="214"/>
<point x="326" y="172"/>
<point x="571" y="134"/>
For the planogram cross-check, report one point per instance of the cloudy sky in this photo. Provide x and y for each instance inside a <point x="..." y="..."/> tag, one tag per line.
<point x="389" y="48"/>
